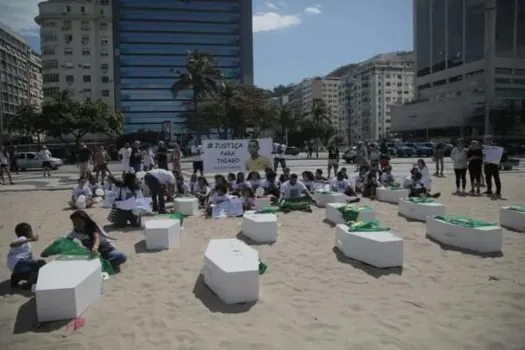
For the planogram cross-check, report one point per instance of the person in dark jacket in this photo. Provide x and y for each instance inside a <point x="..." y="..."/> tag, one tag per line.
<point x="135" y="159"/>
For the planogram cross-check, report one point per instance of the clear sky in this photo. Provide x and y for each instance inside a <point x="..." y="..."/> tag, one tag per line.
<point x="293" y="39"/>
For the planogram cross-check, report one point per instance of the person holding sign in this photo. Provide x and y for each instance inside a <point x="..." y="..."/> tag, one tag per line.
<point x="293" y="189"/>
<point x="256" y="162"/>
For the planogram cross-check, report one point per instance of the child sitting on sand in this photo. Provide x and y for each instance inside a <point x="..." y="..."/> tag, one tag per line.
<point x="82" y="197"/>
<point x="219" y="195"/>
<point x="93" y="237"/>
<point x="201" y="190"/>
<point x="371" y="182"/>
<point x="360" y="179"/>
<point x="387" y="178"/>
<point x="248" y="199"/>
<point x="20" y="257"/>
<point x="181" y="187"/>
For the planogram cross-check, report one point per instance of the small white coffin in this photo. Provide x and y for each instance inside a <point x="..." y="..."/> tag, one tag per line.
<point x="162" y="233"/>
<point x="419" y="211"/>
<point x="262" y="203"/>
<point x="380" y="249"/>
<point x="65" y="289"/>
<point x="323" y="199"/>
<point x="487" y="239"/>
<point x="231" y="270"/>
<point x="390" y="196"/>
<point x="187" y="206"/>
<point x="333" y="214"/>
<point x="261" y="228"/>
<point x="512" y="219"/>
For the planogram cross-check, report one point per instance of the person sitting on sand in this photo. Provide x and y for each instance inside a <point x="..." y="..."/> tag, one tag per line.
<point x="248" y="199"/>
<point x="360" y="179"/>
<point x="371" y="182"/>
<point x="81" y="197"/>
<point x="126" y="189"/>
<point x="387" y="178"/>
<point x="20" y="257"/>
<point x="293" y="189"/>
<point x="95" y="239"/>
<point x="201" y="190"/>
<point x="219" y="195"/>
<point x="270" y="186"/>
<point x="341" y="185"/>
<point x="319" y="176"/>
<point x="182" y="189"/>
<point x="308" y="180"/>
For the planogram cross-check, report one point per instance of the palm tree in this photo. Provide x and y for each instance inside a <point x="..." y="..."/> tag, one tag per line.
<point x="319" y="118"/>
<point x="202" y="77"/>
<point x="286" y="120"/>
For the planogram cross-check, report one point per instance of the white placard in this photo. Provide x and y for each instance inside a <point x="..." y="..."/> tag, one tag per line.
<point x="229" y="208"/>
<point x="492" y="154"/>
<point x="224" y="156"/>
<point x="128" y="204"/>
<point x="109" y="199"/>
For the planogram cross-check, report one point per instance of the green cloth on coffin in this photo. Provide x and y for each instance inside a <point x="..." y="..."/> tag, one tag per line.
<point x="70" y="250"/>
<point x="421" y="200"/>
<point x="464" y="221"/>
<point x="520" y="208"/>
<point x="301" y="204"/>
<point x="366" y="226"/>
<point x="174" y="216"/>
<point x="394" y="187"/>
<point x="269" y="210"/>
<point x="262" y="267"/>
<point x="351" y="212"/>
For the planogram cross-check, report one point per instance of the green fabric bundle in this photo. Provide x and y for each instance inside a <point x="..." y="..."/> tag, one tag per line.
<point x="70" y="250"/>
<point x="464" y="221"/>
<point x="421" y="200"/>
<point x="520" y="208"/>
<point x="268" y="210"/>
<point x="296" y="204"/>
<point x="351" y="212"/>
<point x="174" y="216"/>
<point x="366" y="226"/>
<point x="262" y="267"/>
<point x="394" y="187"/>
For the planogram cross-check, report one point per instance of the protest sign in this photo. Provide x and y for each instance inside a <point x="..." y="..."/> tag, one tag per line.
<point x="229" y="208"/>
<point x="492" y="154"/>
<point x="223" y="156"/>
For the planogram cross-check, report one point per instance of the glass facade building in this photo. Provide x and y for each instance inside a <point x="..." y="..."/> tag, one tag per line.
<point x="152" y="39"/>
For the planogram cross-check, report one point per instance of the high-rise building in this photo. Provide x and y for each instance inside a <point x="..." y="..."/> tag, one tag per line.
<point x="302" y="97"/>
<point x="468" y="53"/>
<point x="77" y="48"/>
<point x="371" y="89"/>
<point x="20" y="75"/>
<point x="152" y="41"/>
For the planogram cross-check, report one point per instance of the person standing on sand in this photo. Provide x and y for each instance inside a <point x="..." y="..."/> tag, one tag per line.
<point x="84" y="155"/>
<point x="175" y="157"/>
<point x="460" y="161"/>
<point x="162" y="156"/>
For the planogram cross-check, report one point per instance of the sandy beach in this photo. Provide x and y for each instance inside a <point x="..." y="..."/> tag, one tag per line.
<point x="311" y="297"/>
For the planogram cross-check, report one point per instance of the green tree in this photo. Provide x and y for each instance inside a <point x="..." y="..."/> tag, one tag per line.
<point x="318" y="122"/>
<point x="202" y="77"/>
<point x="27" y="122"/>
<point x="67" y="116"/>
<point x="285" y="121"/>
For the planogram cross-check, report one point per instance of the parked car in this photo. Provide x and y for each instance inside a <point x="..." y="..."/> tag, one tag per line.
<point x="291" y="151"/>
<point x="404" y="150"/>
<point x="349" y="155"/>
<point x="424" y="149"/>
<point x="33" y="160"/>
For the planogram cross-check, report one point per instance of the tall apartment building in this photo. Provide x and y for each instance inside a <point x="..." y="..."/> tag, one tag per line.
<point x="20" y="75"/>
<point x="77" y="48"/>
<point x="152" y="40"/>
<point x="468" y="52"/>
<point x="302" y="97"/>
<point x="371" y="89"/>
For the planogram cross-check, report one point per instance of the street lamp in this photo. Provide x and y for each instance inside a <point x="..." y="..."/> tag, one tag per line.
<point x="490" y="7"/>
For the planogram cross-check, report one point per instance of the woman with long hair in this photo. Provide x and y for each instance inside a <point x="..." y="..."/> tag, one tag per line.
<point x="460" y="161"/>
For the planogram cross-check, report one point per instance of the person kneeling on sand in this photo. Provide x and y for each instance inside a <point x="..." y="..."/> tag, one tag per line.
<point x="417" y="187"/>
<point x="95" y="239"/>
<point x="219" y="195"/>
<point x="341" y="184"/>
<point x="20" y="257"/>
<point x="81" y="197"/>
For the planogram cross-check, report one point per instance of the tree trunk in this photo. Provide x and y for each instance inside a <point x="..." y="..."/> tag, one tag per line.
<point x="196" y="113"/>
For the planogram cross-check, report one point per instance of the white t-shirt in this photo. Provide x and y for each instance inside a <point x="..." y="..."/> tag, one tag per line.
<point x="185" y="188"/>
<point x="79" y="191"/>
<point x="196" y="152"/>
<point x="293" y="191"/>
<point x="280" y="151"/>
<point x="201" y="189"/>
<point x="4" y="159"/>
<point x="22" y="252"/>
<point x="45" y="154"/>
<point x="125" y="153"/>
<point x="387" y="178"/>
<point x="308" y="184"/>
<point x="340" y="185"/>
<point x="164" y="176"/>
<point x="216" y="199"/>
<point x="147" y="158"/>
<point x="242" y="185"/>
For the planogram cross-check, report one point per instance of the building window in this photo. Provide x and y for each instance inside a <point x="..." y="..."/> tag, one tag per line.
<point x="104" y="42"/>
<point x="505" y="28"/>
<point x="70" y="79"/>
<point x="68" y="51"/>
<point x="68" y="8"/>
<point x="86" y="66"/>
<point x="68" y="38"/>
<point x="86" y="52"/>
<point x="49" y="37"/>
<point x="48" y="50"/>
<point x="105" y="79"/>
<point x="66" y="25"/>
<point x="86" y="78"/>
<point x="104" y="2"/>
<point x="51" y="78"/>
<point x="50" y="64"/>
<point x="82" y="9"/>
<point x="85" y="40"/>
<point x="104" y="66"/>
<point x="50" y="92"/>
<point x="105" y="93"/>
<point x="103" y="26"/>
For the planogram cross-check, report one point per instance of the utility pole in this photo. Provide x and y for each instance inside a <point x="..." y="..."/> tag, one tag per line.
<point x="490" y="37"/>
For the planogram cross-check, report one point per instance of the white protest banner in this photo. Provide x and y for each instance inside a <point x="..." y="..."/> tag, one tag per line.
<point x="229" y="208"/>
<point x="224" y="156"/>
<point x="492" y="154"/>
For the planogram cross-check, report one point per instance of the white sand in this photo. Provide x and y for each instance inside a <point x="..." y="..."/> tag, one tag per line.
<point x="309" y="299"/>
